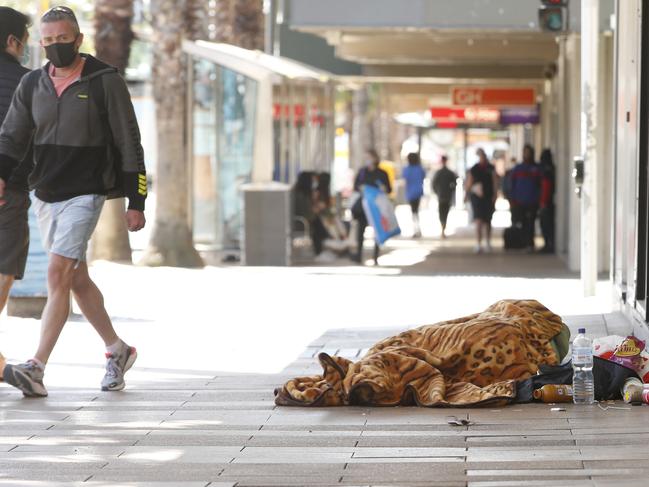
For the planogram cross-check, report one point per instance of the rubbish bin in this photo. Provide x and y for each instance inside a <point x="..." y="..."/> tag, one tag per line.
<point x="267" y="224"/>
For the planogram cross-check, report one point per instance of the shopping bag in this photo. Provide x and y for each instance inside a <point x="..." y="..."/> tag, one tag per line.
<point x="380" y="214"/>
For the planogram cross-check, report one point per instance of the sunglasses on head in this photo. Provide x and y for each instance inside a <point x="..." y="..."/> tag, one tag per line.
<point x="60" y="10"/>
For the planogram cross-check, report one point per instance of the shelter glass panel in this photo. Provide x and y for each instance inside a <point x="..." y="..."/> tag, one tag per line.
<point x="223" y="139"/>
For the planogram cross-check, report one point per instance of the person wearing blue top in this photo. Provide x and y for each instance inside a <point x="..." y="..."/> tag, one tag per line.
<point x="414" y="176"/>
<point x="526" y="194"/>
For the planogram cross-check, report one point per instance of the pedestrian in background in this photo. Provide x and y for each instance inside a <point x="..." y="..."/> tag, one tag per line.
<point x="414" y="176"/>
<point x="369" y="174"/>
<point x="481" y="189"/>
<point x="443" y="185"/>
<point x="546" y="203"/>
<point x="526" y="194"/>
<point x="14" y="226"/>
<point x="74" y="171"/>
<point x="307" y="207"/>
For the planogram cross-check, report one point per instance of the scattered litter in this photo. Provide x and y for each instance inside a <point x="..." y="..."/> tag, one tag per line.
<point x="606" y="408"/>
<point x="454" y="421"/>
<point x="557" y="409"/>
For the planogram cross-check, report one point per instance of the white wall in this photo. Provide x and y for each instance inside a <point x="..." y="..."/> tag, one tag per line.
<point x="627" y="148"/>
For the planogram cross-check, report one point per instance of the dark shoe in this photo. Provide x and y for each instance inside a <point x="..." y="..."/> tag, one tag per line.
<point x="27" y="377"/>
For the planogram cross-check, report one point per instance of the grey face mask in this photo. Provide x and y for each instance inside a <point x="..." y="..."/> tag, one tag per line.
<point x="26" y="57"/>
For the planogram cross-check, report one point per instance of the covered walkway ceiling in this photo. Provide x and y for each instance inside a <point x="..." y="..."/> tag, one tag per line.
<point x="456" y="54"/>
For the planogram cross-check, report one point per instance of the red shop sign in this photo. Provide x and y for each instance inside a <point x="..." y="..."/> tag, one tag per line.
<point x="493" y="96"/>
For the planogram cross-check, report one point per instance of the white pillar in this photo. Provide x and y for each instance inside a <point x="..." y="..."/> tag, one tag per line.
<point x="589" y="99"/>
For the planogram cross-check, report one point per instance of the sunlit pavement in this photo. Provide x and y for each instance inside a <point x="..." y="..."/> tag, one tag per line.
<point x="214" y="343"/>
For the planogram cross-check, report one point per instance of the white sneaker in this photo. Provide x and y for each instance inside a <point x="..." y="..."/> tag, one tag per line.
<point x="117" y="364"/>
<point x="488" y="248"/>
<point x="477" y="249"/>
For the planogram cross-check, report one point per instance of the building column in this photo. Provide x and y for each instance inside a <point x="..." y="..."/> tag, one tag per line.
<point x="589" y="143"/>
<point x="361" y="137"/>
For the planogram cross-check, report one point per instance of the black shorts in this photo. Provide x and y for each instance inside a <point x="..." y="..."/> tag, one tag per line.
<point x="14" y="233"/>
<point x="483" y="208"/>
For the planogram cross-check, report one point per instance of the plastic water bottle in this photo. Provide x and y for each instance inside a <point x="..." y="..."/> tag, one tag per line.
<point x="583" y="384"/>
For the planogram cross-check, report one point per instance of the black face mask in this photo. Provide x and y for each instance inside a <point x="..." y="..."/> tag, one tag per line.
<point x="61" y="54"/>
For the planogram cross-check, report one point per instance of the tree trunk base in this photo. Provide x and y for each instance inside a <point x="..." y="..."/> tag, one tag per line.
<point x="171" y="246"/>
<point x="110" y="240"/>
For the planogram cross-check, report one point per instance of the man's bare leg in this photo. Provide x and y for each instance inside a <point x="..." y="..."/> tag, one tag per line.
<point x="5" y="286"/>
<point x="57" y="309"/>
<point x="478" y="229"/>
<point x="120" y="356"/>
<point x="91" y="302"/>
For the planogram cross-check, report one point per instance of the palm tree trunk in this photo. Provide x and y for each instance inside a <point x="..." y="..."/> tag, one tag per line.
<point x="248" y="26"/>
<point x="220" y="15"/>
<point x="238" y="22"/>
<point x="113" y="37"/>
<point x="171" y="242"/>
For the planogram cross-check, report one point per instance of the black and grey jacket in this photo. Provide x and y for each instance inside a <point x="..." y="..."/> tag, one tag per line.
<point x="10" y="74"/>
<point x="72" y="149"/>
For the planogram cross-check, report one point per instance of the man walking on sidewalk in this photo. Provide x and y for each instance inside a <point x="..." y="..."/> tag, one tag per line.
<point x="14" y="227"/>
<point x="87" y="146"/>
<point x="444" y="184"/>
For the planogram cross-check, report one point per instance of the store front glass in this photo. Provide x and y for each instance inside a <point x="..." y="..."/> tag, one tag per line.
<point x="223" y="139"/>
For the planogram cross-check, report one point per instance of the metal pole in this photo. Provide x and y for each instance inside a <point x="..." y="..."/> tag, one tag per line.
<point x="269" y="9"/>
<point x="283" y="130"/>
<point x="293" y="154"/>
<point x="589" y="99"/>
<point x="307" y="129"/>
<point x="465" y="133"/>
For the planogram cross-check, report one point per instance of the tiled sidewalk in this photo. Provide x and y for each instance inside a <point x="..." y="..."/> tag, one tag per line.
<point x="224" y="430"/>
<point x="214" y="343"/>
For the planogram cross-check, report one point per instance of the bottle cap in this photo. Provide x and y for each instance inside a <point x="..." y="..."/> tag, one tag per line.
<point x="582" y="330"/>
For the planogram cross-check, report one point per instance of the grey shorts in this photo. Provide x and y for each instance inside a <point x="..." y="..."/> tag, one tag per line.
<point x="66" y="226"/>
<point x="14" y="233"/>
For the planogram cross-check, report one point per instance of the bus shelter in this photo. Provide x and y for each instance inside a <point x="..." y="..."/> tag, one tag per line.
<point x="253" y="118"/>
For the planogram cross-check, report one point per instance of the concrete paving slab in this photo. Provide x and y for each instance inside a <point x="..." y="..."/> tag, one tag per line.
<point x="618" y="473"/>
<point x="282" y="470"/>
<point x="57" y="449"/>
<point x="533" y="483"/>
<point x="39" y="459"/>
<point x="325" y="480"/>
<point x="410" y="442"/>
<point x="314" y="418"/>
<point x="521" y="441"/>
<point x="13" y="477"/>
<point x="408" y="452"/>
<point x="37" y="483"/>
<point x="640" y="481"/>
<point x="303" y="441"/>
<point x="506" y="464"/>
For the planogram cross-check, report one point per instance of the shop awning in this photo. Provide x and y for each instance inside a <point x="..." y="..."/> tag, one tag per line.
<point x="255" y="64"/>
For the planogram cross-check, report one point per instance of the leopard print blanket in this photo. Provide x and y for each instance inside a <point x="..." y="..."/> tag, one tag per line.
<point x="469" y="361"/>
